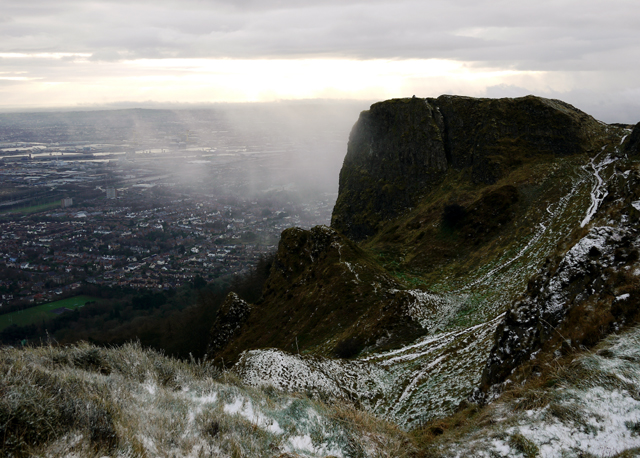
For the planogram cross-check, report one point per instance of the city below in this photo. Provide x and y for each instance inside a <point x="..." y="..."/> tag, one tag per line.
<point x="159" y="207"/>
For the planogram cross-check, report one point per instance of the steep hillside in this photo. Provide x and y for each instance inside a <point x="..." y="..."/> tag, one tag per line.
<point x="479" y="287"/>
<point x="587" y="289"/>
<point x="586" y="405"/>
<point x="326" y="294"/>
<point x="456" y="203"/>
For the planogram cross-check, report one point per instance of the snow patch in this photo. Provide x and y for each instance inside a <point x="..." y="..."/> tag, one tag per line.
<point x="351" y="269"/>
<point x="420" y="381"/>
<point x="591" y="416"/>
<point x="244" y="408"/>
<point x="598" y="192"/>
<point x="432" y="311"/>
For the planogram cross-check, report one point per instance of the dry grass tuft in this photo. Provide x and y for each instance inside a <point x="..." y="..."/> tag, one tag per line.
<point x="524" y="446"/>
<point x="372" y="437"/>
<point x="89" y="401"/>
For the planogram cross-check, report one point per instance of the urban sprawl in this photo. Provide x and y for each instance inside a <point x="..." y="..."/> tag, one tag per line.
<point x="150" y="214"/>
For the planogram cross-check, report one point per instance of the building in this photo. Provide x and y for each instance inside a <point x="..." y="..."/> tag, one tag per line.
<point x="111" y="193"/>
<point x="67" y="202"/>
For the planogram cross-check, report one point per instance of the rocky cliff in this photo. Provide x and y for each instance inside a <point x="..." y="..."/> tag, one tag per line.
<point x="469" y="236"/>
<point x="399" y="150"/>
<point x="324" y="294"/>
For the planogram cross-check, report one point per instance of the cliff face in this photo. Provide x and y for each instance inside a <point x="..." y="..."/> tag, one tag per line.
<point x="632" y="148"/>
<point x="469" y="235"/>
<point x="396" y="149"/>
<point x="399" y="150"/>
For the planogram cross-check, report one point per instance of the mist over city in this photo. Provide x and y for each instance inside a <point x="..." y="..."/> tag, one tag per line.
<point x="153" y="198"/>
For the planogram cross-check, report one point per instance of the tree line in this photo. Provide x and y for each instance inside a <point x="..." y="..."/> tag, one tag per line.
<point x="176" y="321"/>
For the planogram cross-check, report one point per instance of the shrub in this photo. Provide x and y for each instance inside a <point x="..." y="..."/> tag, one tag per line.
<point x="453" y="216"/>
<point x="348" y="347"/>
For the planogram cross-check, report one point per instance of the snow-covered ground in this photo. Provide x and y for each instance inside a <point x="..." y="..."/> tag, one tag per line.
<point x="594" y="409"/>
<point x="404" y="385"/>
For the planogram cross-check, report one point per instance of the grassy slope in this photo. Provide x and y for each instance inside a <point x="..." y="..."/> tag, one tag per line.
<point x="584" y="404"/>
<point x="89" y="401"/>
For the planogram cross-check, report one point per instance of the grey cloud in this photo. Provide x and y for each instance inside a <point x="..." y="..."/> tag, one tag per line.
<point x="525" y="34"/>
<point x="591" y="44"/>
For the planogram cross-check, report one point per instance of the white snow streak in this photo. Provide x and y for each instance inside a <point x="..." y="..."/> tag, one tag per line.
<point x="598" y="193"/>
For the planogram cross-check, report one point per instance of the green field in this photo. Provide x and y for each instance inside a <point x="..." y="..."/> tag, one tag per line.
<point x="42" y="312"/>
<point x="34" y="208"/>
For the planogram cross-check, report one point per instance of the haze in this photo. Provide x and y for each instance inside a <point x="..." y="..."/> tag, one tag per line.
<point x="93" y="54"/>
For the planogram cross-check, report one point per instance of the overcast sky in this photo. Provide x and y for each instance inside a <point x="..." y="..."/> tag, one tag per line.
<point x="97" y="52"/>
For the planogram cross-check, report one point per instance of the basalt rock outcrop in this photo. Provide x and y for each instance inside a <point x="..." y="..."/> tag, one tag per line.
<point x="440" y="200"/>
<point x="323" y="291"/>
<point x="588" y="289"/>
<point x="232" y="315"/>
<point x="633" y="143"/>
<point x="399" y="150"/>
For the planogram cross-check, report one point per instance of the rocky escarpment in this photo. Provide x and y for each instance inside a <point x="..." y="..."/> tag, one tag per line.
<point x="587" y="290"/>
<point x="399" y="150"/>
<point x="633" y="143"/>
<point x="328" y="295"/>
<point x="461" y="201"/>
<point x="325" y="294"/>
<point x="232" y="315"/>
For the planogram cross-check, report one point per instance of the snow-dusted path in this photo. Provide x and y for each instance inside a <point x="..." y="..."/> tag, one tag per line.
<point x="402" y="385"/>
<point x="598" y="192"/>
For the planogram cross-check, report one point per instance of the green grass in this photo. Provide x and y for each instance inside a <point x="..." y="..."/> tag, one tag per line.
<point x="34" y="208"/>
<point x="42" y="312"/>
